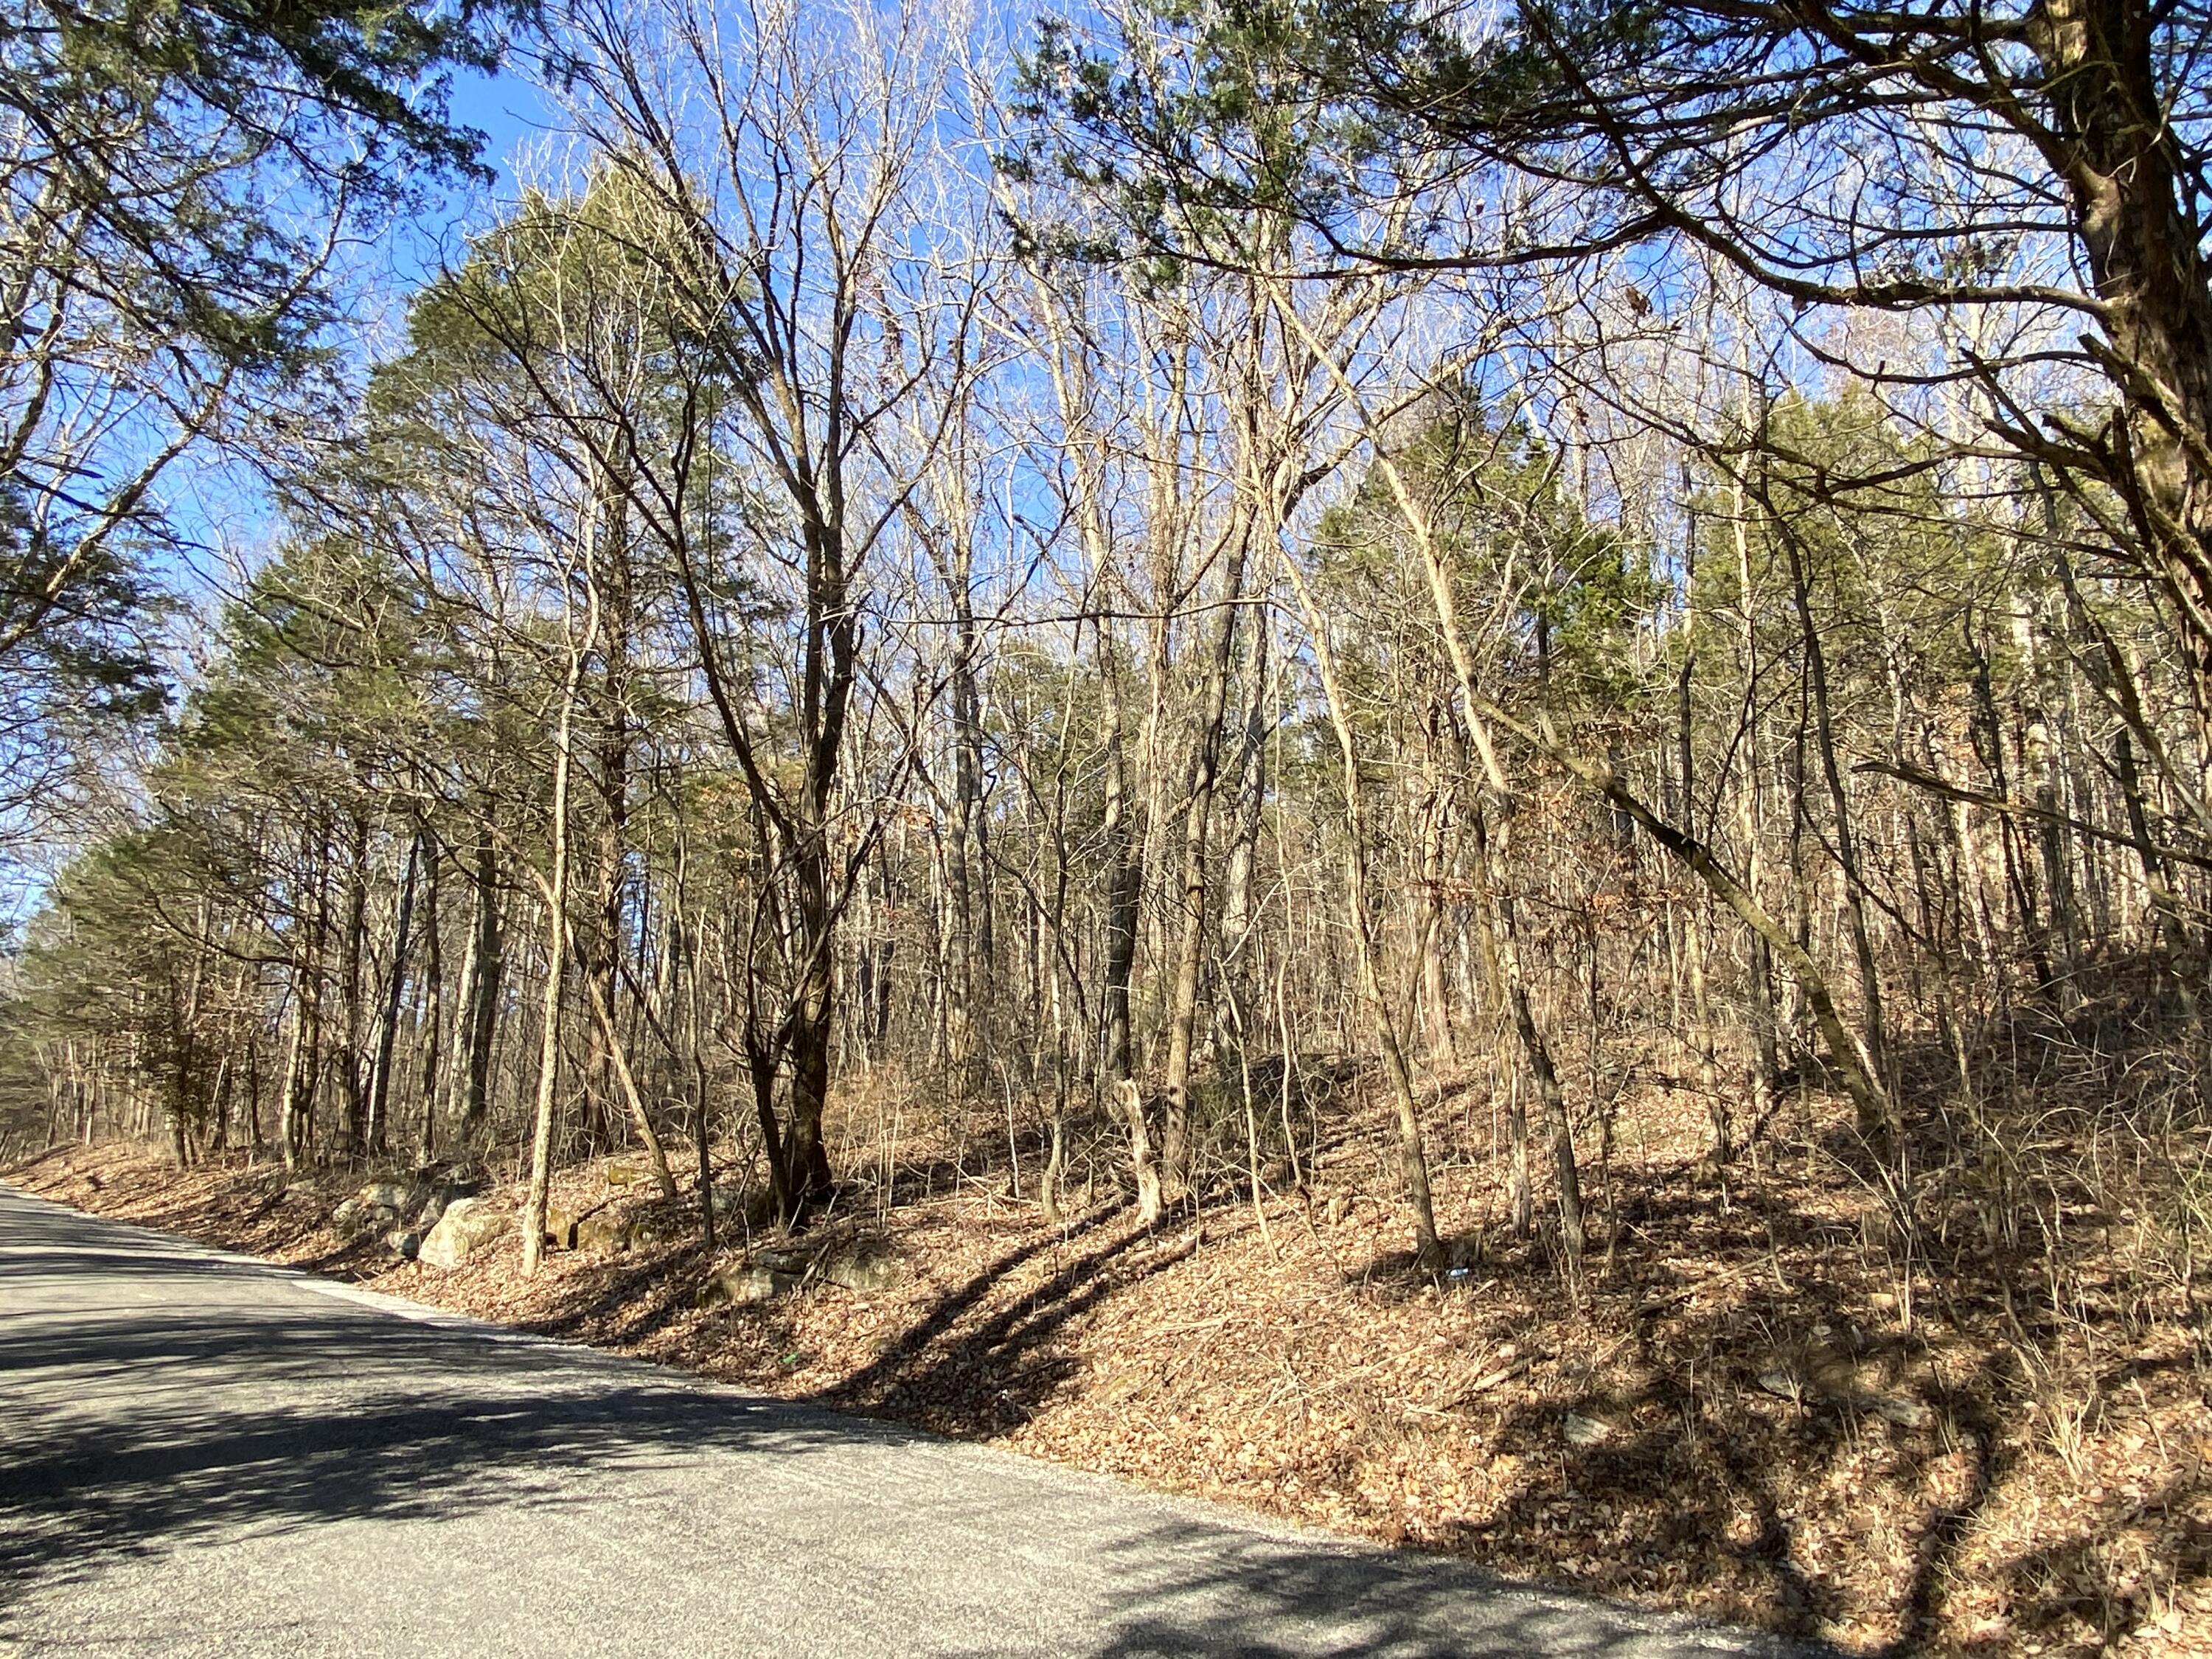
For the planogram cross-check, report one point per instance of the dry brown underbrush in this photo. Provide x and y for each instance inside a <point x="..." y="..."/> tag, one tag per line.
<point x="1781" y="1401"/>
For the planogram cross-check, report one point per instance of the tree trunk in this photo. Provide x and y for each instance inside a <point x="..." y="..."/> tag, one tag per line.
<point x="379" y="1088"/>
<point x="556" y="950"/>
<point x="1412" y="1154"/>
<point x="480" y="1000"/>
<point x="431" y="1015"/>
<point x="1191" y="931"/>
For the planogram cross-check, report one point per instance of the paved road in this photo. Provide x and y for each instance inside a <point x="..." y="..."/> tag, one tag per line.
<point x="203" y="1454"/>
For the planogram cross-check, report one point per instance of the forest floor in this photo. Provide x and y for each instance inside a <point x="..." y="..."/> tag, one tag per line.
<point x="1745" y="1408"/>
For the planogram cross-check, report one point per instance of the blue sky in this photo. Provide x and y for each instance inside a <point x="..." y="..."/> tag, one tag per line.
<point x="216" y="506"/>
<point x="507" y="109"/>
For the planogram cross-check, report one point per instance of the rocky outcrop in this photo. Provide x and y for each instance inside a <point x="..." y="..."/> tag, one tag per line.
<point x="468" y="1225"/>
<point x="866" y="1265"/>
<point x="752" y="1207"/>
<point x="392" y="1204"/>
<point x="431" y="1203"/>
<point x="745" y="1284"/>
<point x="604" y="1233"/>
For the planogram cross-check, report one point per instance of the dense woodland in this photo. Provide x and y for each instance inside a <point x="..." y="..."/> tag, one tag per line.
<point x="1124" y="582"/>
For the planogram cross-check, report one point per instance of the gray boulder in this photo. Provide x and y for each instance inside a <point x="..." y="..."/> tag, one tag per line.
<point x="353" y="1217"/>
<point x="432" y="1193"/>
<point x="755" y="1206"/>
<point x="603" y="1232"/>
<point x="404" y="1242"/>
<point x="745" y="1284"/>
<point x="468" y="1225"/>
<point x="866" y="1266"/>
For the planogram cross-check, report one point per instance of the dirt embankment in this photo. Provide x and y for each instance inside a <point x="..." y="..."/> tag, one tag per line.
<point x="1743" y="1410"/>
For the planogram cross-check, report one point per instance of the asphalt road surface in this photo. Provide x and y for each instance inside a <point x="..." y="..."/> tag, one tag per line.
<point x="200" y="1453"/>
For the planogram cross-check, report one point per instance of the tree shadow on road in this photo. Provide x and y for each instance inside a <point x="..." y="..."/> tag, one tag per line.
<point x="169" y="1412"/>
<point x="1250" y="1593"/>
<point x="132" y="1428"/>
